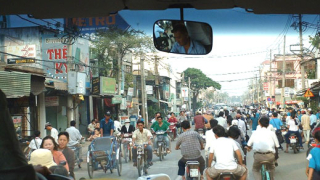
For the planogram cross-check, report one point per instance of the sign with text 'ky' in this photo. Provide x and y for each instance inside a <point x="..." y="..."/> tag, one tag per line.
<point x="91" y="24"/>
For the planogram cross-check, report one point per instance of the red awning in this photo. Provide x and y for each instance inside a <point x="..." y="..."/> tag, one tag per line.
<point x="108" y="102"/>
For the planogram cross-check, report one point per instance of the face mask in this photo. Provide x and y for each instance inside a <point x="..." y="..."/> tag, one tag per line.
<point x="127" y="125"/>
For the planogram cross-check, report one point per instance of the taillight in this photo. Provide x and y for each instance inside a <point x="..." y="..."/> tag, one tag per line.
<point x="227" y="178"/>
<point x="292" y="137"/>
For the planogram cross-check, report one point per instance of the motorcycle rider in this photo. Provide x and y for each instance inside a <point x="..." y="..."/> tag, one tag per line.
<point x="157" y="126"/>
<point x="293" y="128"/>
<point x="264" y="144"/>
<point x="127" y="127"/>
<point x="221" y="120"/>
<point x="199" y="122"/>
<point x="173" y="120"/>
<point x="141" y="136"/>
<point x="224" y="151"/>
<point x="74" y="138"/>
<point x="234" y="133"/>
<point x="191" y="144"/>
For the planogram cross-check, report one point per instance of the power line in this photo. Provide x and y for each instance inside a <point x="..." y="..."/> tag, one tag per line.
<point x="244" y="72"/>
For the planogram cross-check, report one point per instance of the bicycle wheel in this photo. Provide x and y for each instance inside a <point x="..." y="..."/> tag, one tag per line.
<point x="119" y="163"/>
<point x="140" y="166"/>
<point x="130" y="153"/>
<point x="90" y="167"/>
<point x="125" y="153"/>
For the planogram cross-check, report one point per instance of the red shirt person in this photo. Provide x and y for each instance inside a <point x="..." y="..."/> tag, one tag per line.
<point x="174" y="120"/>
<point x="199" y="121"/>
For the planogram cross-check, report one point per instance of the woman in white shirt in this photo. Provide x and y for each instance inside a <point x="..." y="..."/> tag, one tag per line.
<point x="293" y="129"/>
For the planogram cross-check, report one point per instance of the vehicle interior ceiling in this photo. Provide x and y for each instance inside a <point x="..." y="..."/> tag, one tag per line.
<point x="74" y="8"/>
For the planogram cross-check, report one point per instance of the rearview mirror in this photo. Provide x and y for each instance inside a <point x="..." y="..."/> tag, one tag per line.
<point x="182" y="37"/>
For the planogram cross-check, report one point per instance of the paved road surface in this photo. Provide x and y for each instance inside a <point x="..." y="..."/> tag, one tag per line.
<point x="291" y="167"/>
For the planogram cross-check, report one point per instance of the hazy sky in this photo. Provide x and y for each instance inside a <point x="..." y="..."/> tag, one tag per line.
<point x="242" y="39"/>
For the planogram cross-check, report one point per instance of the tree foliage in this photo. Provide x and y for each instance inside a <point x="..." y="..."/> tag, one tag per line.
<point x="115" y="43"/>
<point x="315" y="41"/>
<point x="198" y="81"/>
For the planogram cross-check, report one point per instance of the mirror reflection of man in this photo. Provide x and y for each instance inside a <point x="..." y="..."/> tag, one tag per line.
<point x="184" y="44"/>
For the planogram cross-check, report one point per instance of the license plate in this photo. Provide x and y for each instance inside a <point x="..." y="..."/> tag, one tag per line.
<point x="293" y="140"/>
<point x="194" y="173"/>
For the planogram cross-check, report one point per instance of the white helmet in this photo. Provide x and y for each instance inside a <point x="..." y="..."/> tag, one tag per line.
<point x="225" y="107"/>
<point x="251" y="107"/>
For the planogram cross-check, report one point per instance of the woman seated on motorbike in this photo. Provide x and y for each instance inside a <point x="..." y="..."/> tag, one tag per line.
<point x="63" y="139"/>
<point x="293" y="129"/>
<point x="49" y="143"/>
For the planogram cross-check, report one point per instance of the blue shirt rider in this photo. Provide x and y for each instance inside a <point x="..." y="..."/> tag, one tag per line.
<point x="184" y="44"/>
<point x="106" y="125"/>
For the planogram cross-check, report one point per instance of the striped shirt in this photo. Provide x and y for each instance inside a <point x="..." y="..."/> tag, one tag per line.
<point x="189" y="143"/>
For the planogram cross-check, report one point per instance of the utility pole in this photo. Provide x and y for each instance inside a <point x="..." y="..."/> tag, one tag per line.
<point x="189" y="95"/>
<point x="301" y="54"/>
<point x="259" y="86"/>
<point x="119" y="74"/>
<point x="283" y="73"/>
<point x="143" y="92"/>
<point x="156" y="72"/>
<point x="256" y="89"/>
<point x="270" y="77"/>
<point x="70" y="104"/>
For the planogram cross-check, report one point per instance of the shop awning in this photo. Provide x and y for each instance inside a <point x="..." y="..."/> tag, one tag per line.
<point x="18" y="84"/>
<point x="15" y="84"/>
<point x="153" y="99"/>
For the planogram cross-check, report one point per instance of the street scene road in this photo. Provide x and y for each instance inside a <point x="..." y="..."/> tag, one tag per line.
<point x="291" y="166"/>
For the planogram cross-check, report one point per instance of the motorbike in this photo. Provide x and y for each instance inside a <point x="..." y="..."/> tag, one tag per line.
<point x="201" y="133"/>
<point x="294" y="143"/>
<point x="226" y="176"/>
<point x="161" y="152"/>
<point x="192" y="170"/>
<point x="127" y="143"/>
<point x="172" y="131"/>
<point x="142" y="164"/>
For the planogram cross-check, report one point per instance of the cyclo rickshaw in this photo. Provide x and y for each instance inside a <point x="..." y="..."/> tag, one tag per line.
<point x="104" y="153"/>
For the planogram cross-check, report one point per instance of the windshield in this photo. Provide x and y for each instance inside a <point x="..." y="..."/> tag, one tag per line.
<point x="105" y="71"/>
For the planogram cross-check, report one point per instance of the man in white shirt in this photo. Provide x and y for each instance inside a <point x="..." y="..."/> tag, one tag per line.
<point x="221" y="120"/>
<point x="139" y="137"/>
<point x="117" y="127"/>
<point x="241" y="124"/>
<point x="210" y="138"/>
<point x="224" y="151"/>
<point x="74" y="137"/>
<point x="35" y="142"/>
<point x="264" y="143"/>
<point x="53" y="131"/>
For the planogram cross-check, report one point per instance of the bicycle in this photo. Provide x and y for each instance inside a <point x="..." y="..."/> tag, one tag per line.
<point x="265" y="174"/>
